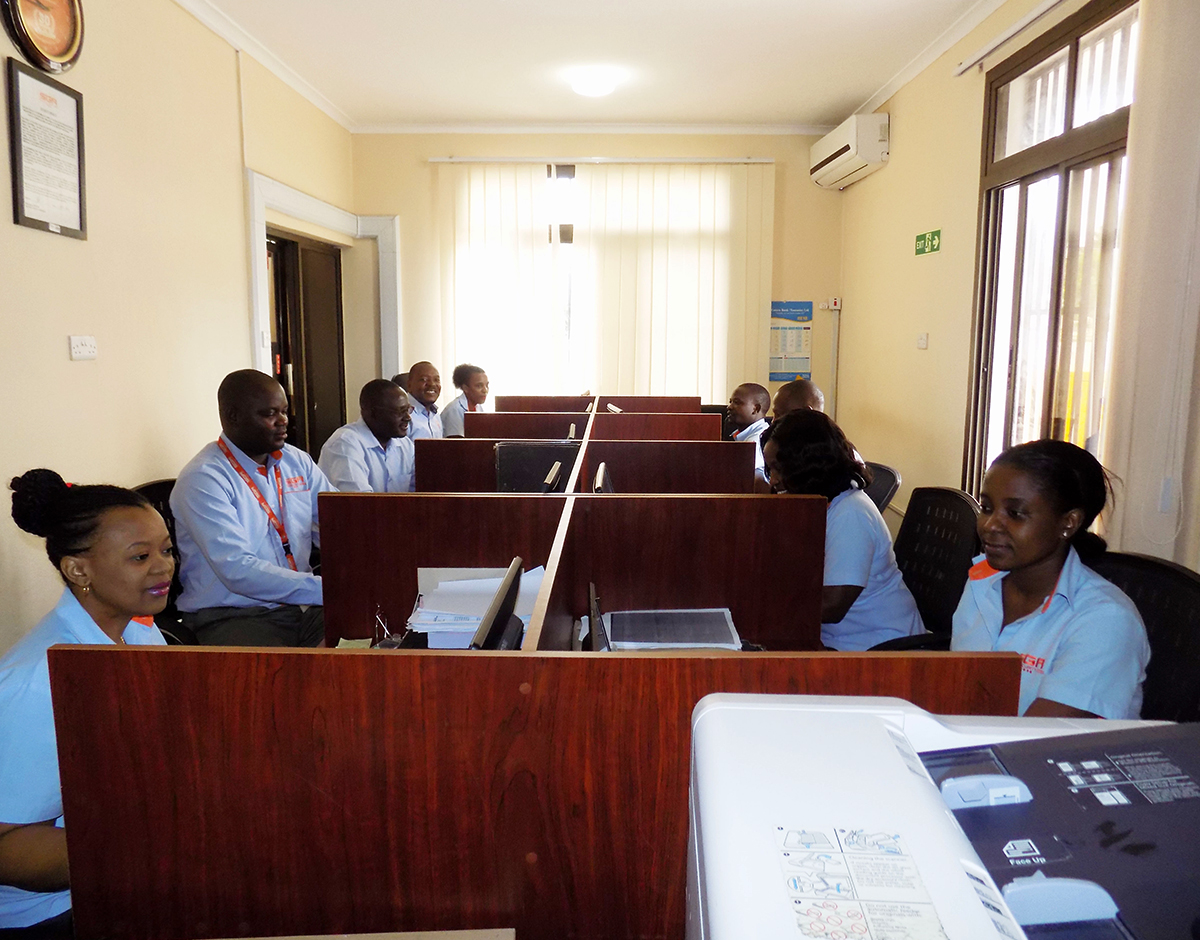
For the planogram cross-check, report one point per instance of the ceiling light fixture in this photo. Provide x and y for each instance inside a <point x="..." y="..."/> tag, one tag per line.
<point x="595" y="81"/>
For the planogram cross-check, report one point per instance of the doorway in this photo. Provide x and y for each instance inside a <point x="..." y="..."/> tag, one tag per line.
<point x="307" y="357"/>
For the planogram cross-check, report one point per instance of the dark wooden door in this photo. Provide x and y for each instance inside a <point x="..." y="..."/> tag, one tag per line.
<point x="307" y="337"/>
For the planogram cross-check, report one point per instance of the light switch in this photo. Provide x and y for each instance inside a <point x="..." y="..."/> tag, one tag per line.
<point x="922" y="341"/>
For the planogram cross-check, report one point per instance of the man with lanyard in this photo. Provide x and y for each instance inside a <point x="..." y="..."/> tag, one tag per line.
<point x="372" y="455"/>
<point x="245" y="522"/>
<point x="424" y="387"/>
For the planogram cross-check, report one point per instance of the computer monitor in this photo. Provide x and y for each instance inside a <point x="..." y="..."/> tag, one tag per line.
<point x="550" y="484"/>
<point x="596" y="632"/>
<point x="500" y="629"/>
<point x="603" y="481"/>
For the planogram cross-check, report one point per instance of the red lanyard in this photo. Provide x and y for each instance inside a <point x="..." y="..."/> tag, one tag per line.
<point x="276" y="524"/>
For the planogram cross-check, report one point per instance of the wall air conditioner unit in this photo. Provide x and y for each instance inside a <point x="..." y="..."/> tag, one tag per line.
<point x="858" y="147"/>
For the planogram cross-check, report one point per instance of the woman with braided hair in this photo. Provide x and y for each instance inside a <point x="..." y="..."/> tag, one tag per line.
<point x="1083" y="646"/>
<point x="113" y="553"/>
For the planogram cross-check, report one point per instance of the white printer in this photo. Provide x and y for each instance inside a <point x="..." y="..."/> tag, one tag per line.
<point x="814" y="817"/>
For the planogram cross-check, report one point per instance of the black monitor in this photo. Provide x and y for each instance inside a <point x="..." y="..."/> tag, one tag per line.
<point x="596" y="632"/>
<point x="603" y="481"/>
<point x="550" y="484"/>
<point x="500" y="629"/>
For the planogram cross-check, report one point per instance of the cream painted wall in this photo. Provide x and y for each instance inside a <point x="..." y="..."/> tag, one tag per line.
<point x="291" y="140"/>
<point x="903" y="406"/>
<point x="393" y="176"/>
<point x="161" y="281"/>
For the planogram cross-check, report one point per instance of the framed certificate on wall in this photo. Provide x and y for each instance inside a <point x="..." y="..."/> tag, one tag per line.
<point x="45" y="137"/>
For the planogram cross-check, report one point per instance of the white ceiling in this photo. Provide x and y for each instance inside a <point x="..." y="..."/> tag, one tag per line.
<point x="497" y="64"/>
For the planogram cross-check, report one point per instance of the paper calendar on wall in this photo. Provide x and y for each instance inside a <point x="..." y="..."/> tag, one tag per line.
<point x="791" y="340"/>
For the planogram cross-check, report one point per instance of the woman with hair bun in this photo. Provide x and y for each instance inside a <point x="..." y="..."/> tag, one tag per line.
<point x="1083" y="645"/>
<point x="113" y="553"/>
<point x="472" y="383"/>
<point x="864" y="600"/>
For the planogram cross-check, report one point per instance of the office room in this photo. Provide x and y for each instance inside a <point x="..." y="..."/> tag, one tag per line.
<point x="201" y="136"/>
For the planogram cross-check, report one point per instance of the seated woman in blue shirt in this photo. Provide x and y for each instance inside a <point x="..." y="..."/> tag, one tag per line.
<point x="864" y="600"/>
<point x="1083" y="646"/>
<point x="113" y="552"/>
<point x="472" y="383"/>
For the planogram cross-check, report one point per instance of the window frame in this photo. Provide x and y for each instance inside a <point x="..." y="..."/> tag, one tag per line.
<point x="1075" y="146"/>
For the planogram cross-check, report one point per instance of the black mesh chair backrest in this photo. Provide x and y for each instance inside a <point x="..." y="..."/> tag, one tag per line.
<point x="1167" y="596"/>
<point x="883" y="485"/>
<point x="169" y="622"/>
<point x="934" y="548"/>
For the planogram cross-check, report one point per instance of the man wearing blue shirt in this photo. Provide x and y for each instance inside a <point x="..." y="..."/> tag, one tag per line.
<point x="245" y="522"/>
<point x="372" y="455"/>
<point x="424" y="387"/>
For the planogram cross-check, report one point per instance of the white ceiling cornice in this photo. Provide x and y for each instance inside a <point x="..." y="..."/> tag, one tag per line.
<point x="958" y="31"/>
<point x="241" y="40"/>
<point x="773" y="130"/>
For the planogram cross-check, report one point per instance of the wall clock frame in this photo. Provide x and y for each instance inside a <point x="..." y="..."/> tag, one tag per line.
<point x="49" y="33"/>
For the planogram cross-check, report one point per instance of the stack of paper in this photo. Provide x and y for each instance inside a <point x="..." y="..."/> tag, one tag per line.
<point x="452" y="602"/>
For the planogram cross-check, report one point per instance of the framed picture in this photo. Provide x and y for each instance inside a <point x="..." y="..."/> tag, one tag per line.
<point x="45" y="137"/>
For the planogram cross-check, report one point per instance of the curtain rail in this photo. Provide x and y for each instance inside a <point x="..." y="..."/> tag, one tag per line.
<point x="1018" y="27"/>
<point x="722" y="161"/>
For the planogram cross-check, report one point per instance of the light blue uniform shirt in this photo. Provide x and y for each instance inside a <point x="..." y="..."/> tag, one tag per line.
<point x="858" y="551"/>
<point x="1085" y="646"/>
<point x="29" y="785"/>
<point x="231" y="554"/>
<point x="355" y="461"/>
<point x="424" y="421"/>
<point x="754" y="433"/>
<point x="453" y="416"/>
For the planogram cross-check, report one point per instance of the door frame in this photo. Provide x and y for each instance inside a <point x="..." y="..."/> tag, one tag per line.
<point x="263" y="193"/>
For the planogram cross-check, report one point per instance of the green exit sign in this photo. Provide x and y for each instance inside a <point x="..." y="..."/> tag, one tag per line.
<point x="929" y="242"/>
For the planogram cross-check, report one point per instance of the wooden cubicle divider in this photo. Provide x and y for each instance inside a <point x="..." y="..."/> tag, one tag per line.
<point x="673" y="466"/>
<point x="656" y="427"/>
<point x="220" y="792"/>
<point x="454" y="465"/>
<point x="576" y="403"/>
<point x="638" y="403"/>
<point x="524" y="425"/>
<point x="372" y="545"/>
<point x="679" y="552"/>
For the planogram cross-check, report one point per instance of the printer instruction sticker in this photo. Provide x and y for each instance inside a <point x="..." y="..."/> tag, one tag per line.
<point x="855" y="883"/>
<point x="1123" y="779"/>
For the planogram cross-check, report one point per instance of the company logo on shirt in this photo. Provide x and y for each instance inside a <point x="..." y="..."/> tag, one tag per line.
<point x="1033" y="664"/>
<point x="295" y="484"/>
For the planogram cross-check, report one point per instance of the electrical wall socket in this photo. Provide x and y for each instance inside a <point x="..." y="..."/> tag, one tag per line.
<point x="835" y="303"/>
<point x="922" y="341"/>
<point x="83" y="347"/>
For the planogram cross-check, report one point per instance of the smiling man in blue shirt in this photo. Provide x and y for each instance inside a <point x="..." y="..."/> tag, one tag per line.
<point x="245" y="522"/>
<point x="373" y="454"/>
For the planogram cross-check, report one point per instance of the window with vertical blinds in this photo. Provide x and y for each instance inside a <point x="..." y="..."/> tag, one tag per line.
<point x="618" y="278"/>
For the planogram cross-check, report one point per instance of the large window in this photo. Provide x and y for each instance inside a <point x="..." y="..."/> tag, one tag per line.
<point x="1053" y="184"/>
<point x="628" y="278"/>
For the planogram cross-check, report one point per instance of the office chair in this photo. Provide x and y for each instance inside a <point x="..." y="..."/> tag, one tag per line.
<point x="934" y="549"/>
<point x="169" y="621"/>
<point x="883" y="485"/>
<point x="1167" y="596"/>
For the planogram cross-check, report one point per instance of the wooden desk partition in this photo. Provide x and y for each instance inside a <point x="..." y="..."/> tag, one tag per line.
<point x="656" y="427"/>
<point x="455" y="465"/>
<point x="640" y="403"/>
<point x="222" y="793"/>
<point x="576" y="403"/>
<point x="673" y="466"/>
<point x="651" y="552"/>
<point x="372" y="545"/>
<point x="528" y="425"/>
<point x="675" y="404"/>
